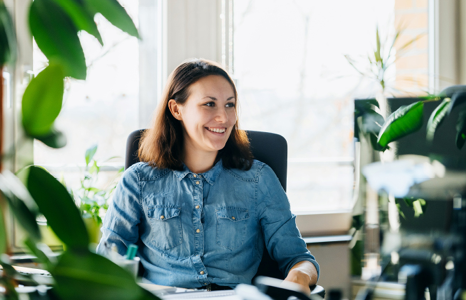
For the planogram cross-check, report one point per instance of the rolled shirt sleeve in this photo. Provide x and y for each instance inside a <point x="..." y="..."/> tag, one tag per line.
<point x="282" y="238"/>
<point x="121" y="222"/>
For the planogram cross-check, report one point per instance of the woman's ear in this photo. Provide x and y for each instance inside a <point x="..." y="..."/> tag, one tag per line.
<point x="175" y="109"/>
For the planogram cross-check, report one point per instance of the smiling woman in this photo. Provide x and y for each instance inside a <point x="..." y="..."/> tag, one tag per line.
<point x="198" y="204"/>
<point x="199" y="96"/>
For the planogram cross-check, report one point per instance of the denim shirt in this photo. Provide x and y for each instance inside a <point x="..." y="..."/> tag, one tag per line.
<point x="197" y="229"/>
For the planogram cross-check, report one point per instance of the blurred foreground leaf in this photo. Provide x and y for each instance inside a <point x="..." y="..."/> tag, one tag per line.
<point x="82" y="18"/>
<point x="403" y="121"/>
<point x="21" y="203"/>
<point x="456" y="100"/>
<point x="58" y="207"/>
<point x="3" y="236"/>
<point x="437" y="117"/>
<point x="461" y="129"/>
<point x="42" y="101"/>
<point x="57" y="36"/>
<point x="54" y="139"/>
<point x="41" y="256"/>
<point x="86" y="275"/>
<point x="7" y="279"/>
<point x="7" y="36"/>
<point x="114" y="13"/>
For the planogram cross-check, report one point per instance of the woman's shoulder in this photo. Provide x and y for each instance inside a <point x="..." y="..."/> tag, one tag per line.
<point x="145" y="172"/>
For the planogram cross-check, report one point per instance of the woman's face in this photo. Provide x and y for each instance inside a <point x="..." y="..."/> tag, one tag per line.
<point x="208" y="115"/>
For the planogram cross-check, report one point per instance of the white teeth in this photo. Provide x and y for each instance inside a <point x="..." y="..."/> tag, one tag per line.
<point x="219" y="130"/>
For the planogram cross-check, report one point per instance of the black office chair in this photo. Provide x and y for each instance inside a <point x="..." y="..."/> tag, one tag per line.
<point x="269" y="148"/>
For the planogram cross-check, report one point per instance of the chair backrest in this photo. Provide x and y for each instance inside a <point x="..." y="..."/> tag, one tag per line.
<point x="267" y="147"/>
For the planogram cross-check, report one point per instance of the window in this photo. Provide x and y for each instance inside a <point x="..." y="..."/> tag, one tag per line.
<point x="293" y="79"/>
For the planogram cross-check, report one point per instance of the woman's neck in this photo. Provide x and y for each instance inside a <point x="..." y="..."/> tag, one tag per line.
<point x="199" y="161"/>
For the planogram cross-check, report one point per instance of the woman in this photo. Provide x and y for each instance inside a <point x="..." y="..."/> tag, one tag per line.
<point x="198" y="203"/>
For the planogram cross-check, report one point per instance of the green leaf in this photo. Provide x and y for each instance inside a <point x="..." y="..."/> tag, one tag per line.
<point x="437" y="117"/>
<point x="7" y="37"/>
<point x="3" y="234"/>
<point x="378" y="56"/>
<point x="42" y="100"/>
<point x="21" y="203"/>
<point x="371" y="122"/>
<point x="90" y="276"/>
<point x="58" y="207"/>
<point x="398" y="206"/>
<point x="456" y="100"/>
<point x="419" y="207"/>
<point x="375" y="145"/>
<point x="114" y="13"/>
<point x="82" y="18"/>
<point x="461" y="129"/>
<point x="57" y="36"/>
<point x="8" y="278"/>
<point x="39" y="254"/>
<point x="94" y="169"/>
<point x="403" y="121"/>
<point x="451" y="90"/>
<point x="90" y="152"/>
<point x="54" y="139"/>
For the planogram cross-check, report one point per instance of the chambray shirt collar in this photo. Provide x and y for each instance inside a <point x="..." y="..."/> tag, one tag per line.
<point x="210" y="176"/>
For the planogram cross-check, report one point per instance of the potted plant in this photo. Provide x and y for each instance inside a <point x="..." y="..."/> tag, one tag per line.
<point x="92" y="199"/>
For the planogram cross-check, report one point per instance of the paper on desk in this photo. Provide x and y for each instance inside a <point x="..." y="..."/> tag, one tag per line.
<point x="157" y="288"/>
<point x="213" y="295"/>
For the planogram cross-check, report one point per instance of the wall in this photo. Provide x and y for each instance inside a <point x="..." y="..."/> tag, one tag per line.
<point x="412" y="63"/>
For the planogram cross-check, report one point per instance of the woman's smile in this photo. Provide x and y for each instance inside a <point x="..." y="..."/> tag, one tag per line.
<point x="220" y="131"/>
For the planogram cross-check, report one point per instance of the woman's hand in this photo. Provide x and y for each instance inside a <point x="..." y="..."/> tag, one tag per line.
<point x="303" y="273"/>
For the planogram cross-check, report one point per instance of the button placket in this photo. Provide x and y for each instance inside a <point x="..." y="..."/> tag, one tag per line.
<point x="197" y="225"/>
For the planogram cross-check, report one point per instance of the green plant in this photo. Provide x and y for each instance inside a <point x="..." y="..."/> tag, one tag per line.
<point x="369" y="116"/>
<point x="408" y="119"/>
<point x="91" y="199"/>
<point x="78" y="273"/>
<point x="377" y="63"/>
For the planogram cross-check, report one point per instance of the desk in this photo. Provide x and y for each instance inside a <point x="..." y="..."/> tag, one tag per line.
<point x="241" y="292"/>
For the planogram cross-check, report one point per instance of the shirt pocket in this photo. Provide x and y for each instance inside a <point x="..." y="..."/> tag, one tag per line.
<point x="165" y="223"/>
<point x="231" y="226"/>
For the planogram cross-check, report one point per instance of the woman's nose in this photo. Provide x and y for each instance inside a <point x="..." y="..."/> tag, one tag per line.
<point x="222" y="115"/>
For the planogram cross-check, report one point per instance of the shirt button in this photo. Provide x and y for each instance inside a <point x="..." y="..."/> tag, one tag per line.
<point x="233" y="218"/>
<point x="197" y="182"/>
<point x="198" y="230"/>
<point x="195" y="175"/>
<point x="202" y="272"/>
<point x="162" y="217"/>
<point x="197" y="206"/>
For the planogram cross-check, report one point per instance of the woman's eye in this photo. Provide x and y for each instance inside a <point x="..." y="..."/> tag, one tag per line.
<point x="230" y="104"/>
<point x="210" y="104"/>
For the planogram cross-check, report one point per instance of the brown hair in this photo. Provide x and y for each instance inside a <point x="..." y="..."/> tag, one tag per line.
<point x="162" y="145"/>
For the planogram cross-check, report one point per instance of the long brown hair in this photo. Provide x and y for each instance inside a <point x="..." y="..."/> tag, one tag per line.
<point x="162" y="145"/>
